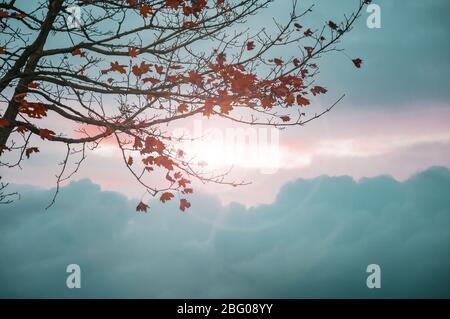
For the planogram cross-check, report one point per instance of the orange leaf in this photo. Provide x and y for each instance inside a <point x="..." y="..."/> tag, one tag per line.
<point x="46" y="134"/>
<point x="31" y="150"/>
<point x="33" y="85"/>
<point x="166" y="197"/>
<point x="184" y="204"/>
<point x="302" y="101"/>
<point x="115" y="66"/>
<point x="285" y="118"/>
<point x="141" y="207"/>
<point x="130" y="161"/>
<point x="133" y="52"/>
<point x="145" y="10"/>
<point x="183" y="107"/>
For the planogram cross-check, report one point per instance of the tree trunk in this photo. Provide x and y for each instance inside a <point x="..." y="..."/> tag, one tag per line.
<point x="30" y="58"/>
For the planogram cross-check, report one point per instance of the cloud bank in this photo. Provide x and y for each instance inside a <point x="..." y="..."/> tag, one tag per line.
<point x="315" y="240"/>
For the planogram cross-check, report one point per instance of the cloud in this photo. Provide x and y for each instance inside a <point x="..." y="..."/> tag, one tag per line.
<point x="315" y="240"/>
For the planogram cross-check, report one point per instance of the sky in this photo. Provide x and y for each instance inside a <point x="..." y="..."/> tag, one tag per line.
<point x="366" y="183"/>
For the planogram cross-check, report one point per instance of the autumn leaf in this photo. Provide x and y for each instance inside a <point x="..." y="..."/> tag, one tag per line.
<point x="46" y="134"/>
<point x="130" y="161"/>
<point x="159" y="69"/>
<point x="225" y="108"/>
<point x="21" y="129"/>
<point x="285" y="118"/>
<point x="137" y="143"/>
<point x="309" y="50"/>
<point x="115" y="66"/>
<point x="78" y="52"/>
<point x="2" y="50"/>
<point x="250" y="45"/>
<point x="318" y="90"/>
<point x="174" y="4"/>
<point x="141" y="69"/>
<point x="166" y="197"/>
<point x="308" y="33"/>
<point x="221" y="57"/>
<point x="298" y="26"/>
<point x="183" y="107"/>
<point x="151" y="80"/>
<point x="296" y="62"/>
<point x="33" y="85"/>
<point x="31" y="150"/>
<point x="302" y="101"/>
<point x="183" y="182"/>
<point x="189" y="24"/>
<point x="208" y="108"/>
<point x="332" y="25"/>
<point x="278" y="61"/>
<point x="4" y="14"/>
<point x="33" y="109"/>
<point x="145" y="10"/>
<point x="141" y="207"/>
<point x="4" y="123"/>
<point x="133" y="52"/>
<point x="184" y="204"/>
<point x="357" y="62"/>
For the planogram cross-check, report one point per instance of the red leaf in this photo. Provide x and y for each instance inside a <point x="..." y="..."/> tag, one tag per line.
<point x="332" y="25"/>
<point x="318" y="90"/>
<point x="46" y="134"/>
<point x="145" y="10"/>
<point x="31" y="150"/>
<point x="130" y="161"/>
<point x="151" y="80"/>
<point x="115" y="66"/>
<point x="77" y="51"/>
<point x="174" y="4"/>
<point x="357" y="62"/>
<point x="250" y="45"/>
<point x="285" y="118"/>
<point x="296" y="62"/>
<point x="278" y="61"/>
<point x="133" y="52"/>
<point x="141" y="207"/>
<point x="183" y="107"/>
<point x="309" y="50"/>
<point x="184" y="204"/>
<point x="183" y="182"/>
<point x="308" y="33"/>
<point x="166" y="197"/>
<point x="298" y="26"/>
<point x="302" y="101"/>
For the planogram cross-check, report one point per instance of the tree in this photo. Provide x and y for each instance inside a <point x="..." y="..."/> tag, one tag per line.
<point x="130" y="67"/>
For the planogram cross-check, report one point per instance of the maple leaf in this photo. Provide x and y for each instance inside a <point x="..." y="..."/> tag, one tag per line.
<point x="133" y="52"/>
<point x="250" y="45"/>
<point x="187" y="191"/>
<point x="332" y="25"/>
<point x="177" y="175"/>
<point x="296" y="62"/>
<point x="115" y="66"/>
<point x="285" y="118"/>
<point x="190" y="24"/>
<point x="4" y="123"/>
<point x="165" y="162"/>
<point x="152" y="144"/>
<point x="308" y="33"/>
<point x="302" y="101"/>
<point x="78" y="52"/>
<point x="309" y="50"/>
<point x="145" y="10"/>
<point x="225" y="108"/>
<point x="183" y="107"/>
<point x="278" y="61"/>
<point x="141" y="69"/>
<point x="159" y="69"/>
<point x="21" y="129"/>
<point x="183" y="182"/>
<point x="46" y="134"/>
<point x="33" y="85"/>
<point x="31" y="150"/>
<point x="33" y="109"/>
<point x="184" y="204"/>
<point x="298" y="26"/>
<point x="137" y="143"/>
<point x="208" y="108"/>
<point x="174" y="4"/>
<point x="141" y="207"/>
<point x="318" y="90"/>
<point x="290" y="99"/>
<point x="130" y="161"/>
<point x="151" y="80"/>
<point x="221" y="57"/>
<point x="166" y="197"/>
<point x="357" y="62"/>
